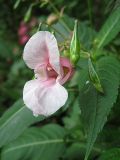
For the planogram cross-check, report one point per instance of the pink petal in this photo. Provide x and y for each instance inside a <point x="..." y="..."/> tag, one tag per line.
<point x="35" y="51"/>
<point x="41" y="48"/>
<point x="23" y="39"/>
<point x="44" y="99"/>
<point x="66" y="64"/>
<point x="53" y="52"/>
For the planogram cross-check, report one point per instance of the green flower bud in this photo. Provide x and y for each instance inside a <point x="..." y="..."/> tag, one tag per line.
<point x="94" y="77"/>
<point x="75" y="45"/>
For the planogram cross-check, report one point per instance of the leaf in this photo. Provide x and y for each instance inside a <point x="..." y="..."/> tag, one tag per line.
<point x="109" y="30"/>
<point x="108" y="135"/>
<point x="15" y="121"/>
<point x="111" y="154"/>
<point x="95" y="107"/>
<point x="37" y="143"/>
<point x="16" y="4"/>
<point x="29" y="12"/>
<point x="86" y="34"/>
<point x="76" y="151"/>
<point x="73" y="117"/>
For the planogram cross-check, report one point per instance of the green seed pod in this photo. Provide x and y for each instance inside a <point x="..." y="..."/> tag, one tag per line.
<point x="94" y="77"/>
<point x="75" y="45"/>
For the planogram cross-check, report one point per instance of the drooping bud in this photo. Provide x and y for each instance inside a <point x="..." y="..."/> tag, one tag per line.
<point x="75" y="45"/>
<point x="94" y="77"/>
<point x="52" y="18"/>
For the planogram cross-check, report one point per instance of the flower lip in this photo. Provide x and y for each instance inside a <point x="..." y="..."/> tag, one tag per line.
<point x="51" y="72"/>
<point x="67" y="69"/>
<point x="45" y="71"/>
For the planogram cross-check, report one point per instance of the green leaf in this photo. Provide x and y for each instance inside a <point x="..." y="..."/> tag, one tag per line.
<point x="77" y="150"/>
<point x="86" y="34"/>
<point x="15" y="121"/>
<point x="111" y="154"/>
<point x="29" y="12"/>
<point x="37" y="143"/>
<point x="16" y="4"/>
<point x="73" y="117"/>
<point x="95" y="107"/>
<point x="109" y="30"/>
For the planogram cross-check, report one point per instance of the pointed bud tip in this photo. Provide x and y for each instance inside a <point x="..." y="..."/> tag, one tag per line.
<point x="75" y="44"/>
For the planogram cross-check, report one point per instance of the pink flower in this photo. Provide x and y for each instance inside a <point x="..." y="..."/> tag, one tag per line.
<point x="45" y="94"/>
<point x="23" y="39"/>
<point x="23" y="29"/>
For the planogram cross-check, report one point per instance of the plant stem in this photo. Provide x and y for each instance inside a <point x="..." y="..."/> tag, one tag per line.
<point x="89" y="3"/>
<point x="90" y="11"/>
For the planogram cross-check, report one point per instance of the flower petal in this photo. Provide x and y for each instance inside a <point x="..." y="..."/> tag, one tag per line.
<point x="44" y="99"/>
<point x="29" y="96"/>
<point x="41" y="48"/>
<point x="35" y="51"/>
<point x="66" y="64"/>
<point x="54" y="57"/>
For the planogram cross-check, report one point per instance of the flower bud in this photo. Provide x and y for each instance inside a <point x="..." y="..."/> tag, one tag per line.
<point x="75" y="45"/>
<point x="52" y="18"/>
<point x="94" y="77"/>
<point x="23" y="39"/>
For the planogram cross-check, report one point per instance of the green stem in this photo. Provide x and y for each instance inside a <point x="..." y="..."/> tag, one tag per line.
<point x="90" y="15"/>
<point x="90" y="11"/>
<point x="84" y="54"/>
<point x="39" y="27"/>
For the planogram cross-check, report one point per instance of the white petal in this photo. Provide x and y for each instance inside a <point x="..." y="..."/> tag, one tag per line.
<point x="41" y="48"/>
<point x="44" y="100"/>
<point x="29" y="97"/>
<point x="53" y="98"/>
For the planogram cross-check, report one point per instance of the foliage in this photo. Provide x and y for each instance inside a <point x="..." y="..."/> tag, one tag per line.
<point x="37" y="140"/>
